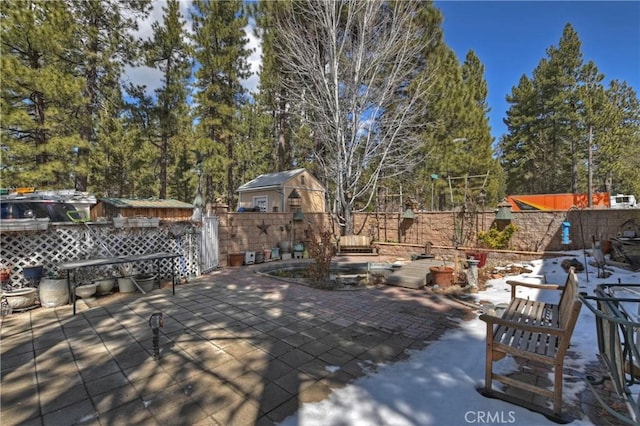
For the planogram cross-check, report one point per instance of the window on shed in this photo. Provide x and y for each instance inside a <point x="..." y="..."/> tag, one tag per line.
<point x="261" y="201"/>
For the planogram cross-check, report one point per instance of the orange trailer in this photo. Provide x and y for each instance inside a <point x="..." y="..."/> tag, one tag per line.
<point x="557" y="201"/>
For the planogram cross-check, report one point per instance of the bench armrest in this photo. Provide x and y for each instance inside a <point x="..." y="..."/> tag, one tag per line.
<point x="515" y="283"/>
<point x="491" y="320"/>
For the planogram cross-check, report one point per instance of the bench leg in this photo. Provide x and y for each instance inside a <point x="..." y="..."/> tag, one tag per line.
<point x="557" y="390"/>
<point x="488" y="368"/>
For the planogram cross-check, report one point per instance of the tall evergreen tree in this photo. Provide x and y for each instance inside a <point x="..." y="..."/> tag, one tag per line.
<point x="104" y="45"/>
<point x="565" y="129"/>
<point x="221" y="54"/>
<point x="41" y="95"/>
<point x="617" y="152"/>
<point x="168" y="52"/>
<point x="457" y="142"/>
<point x="271" y="96"/>
<point x="551" y="140"/>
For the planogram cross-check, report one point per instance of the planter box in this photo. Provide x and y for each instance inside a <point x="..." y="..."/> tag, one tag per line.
<point x="119" y="222"/>
<point x="236" y="259"/>
<point x="135" y="222"/>
<point x="18" y="225"/>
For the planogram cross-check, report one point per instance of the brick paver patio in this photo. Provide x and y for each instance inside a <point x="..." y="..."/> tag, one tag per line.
<point x="236" y="348"/>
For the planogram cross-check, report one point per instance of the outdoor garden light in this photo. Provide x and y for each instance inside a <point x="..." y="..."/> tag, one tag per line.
<point x="504" y="211"/>
<point x="295" y="202"/>
<point x="155" y="322"/>
<point x="408" y="214"/>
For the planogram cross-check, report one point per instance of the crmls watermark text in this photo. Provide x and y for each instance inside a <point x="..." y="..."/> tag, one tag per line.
<point x="490" y="417"/>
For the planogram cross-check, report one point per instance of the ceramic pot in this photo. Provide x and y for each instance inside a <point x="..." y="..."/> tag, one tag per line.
<point x="285" y="246"/>
<point x="105" y="285"/>
<point x="146" y="282"/>
<point x="480" y="256"/>
<point x="442" y="275"/>
<point x="125" y="285"/>
<point x="259" y="256"/>
<point x="267" y="254"/>
<point x="5" y="274"/>
<point x="20" y="298"/>
<point x="32" y="272"/>
<point x="275" y="253"/>
<point x="53" y="292"/>
<point x="298" y="247"/>
<point x="86" y="291"/>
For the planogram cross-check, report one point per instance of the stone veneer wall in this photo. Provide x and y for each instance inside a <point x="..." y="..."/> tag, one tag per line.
<point x="537" y="231"/>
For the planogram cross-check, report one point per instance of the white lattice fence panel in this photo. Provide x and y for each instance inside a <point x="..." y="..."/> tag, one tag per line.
<point x="63" y="243"/>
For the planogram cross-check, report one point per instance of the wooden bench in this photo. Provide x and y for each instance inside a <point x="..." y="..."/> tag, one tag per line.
<point x="354" y="244"/>
<point x="536" y="331"/>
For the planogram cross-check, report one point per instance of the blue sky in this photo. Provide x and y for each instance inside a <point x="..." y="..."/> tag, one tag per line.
<point x="511" y="37"/>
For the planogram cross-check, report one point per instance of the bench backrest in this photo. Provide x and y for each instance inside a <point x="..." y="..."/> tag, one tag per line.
<point x="355" y="241"/>
<point x="569" y="309"/>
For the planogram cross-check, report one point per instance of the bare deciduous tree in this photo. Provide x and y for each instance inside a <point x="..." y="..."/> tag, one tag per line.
<point x="355" y="73"/>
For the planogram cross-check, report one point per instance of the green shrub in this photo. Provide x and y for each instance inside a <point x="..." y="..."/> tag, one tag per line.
<point x="495" y="239"/>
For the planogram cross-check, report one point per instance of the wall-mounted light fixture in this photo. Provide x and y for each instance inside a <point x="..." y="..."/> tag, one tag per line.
<point x="408" y="214"/>
<point x="504" y="211"/>
<point x="295" y="205"/>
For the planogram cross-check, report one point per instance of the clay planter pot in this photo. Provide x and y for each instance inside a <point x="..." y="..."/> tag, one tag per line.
<point x="480" y="256"/>
<point x="267" y="254"/>
<point x="5" y="274"/>
<point x="442" y="275"/>
<point x="259" y="256"/>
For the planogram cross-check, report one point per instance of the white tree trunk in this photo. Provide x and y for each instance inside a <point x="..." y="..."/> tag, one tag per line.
<point x="353" y="73"/>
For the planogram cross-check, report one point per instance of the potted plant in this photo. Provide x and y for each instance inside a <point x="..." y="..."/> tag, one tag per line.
<point x="146" y="282"/>
<point x="125" y="283"/>
<point x="5" y="273"/>
<point x="104" y="282"/>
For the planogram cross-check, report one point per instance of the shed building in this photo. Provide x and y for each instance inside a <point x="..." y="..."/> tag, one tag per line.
<point x="272" y="192"/>
<point x="151" y="207"/>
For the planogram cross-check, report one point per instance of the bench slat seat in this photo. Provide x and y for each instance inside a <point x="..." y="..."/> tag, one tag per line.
<point x="537" y="331"/>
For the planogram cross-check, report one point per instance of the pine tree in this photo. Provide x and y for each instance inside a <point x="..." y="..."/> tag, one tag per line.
<point x="544" y="123"/>
<point x="41" y="96"/>
<point x="168" y="52"/>
<point x="221" y="54"/>
<point x="103" y="45"/>
<point x="566" y="132"/>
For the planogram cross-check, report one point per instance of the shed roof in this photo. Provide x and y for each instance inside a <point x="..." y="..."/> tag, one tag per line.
<point x="270" y="180"/>
<point x="147" y="203"/>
